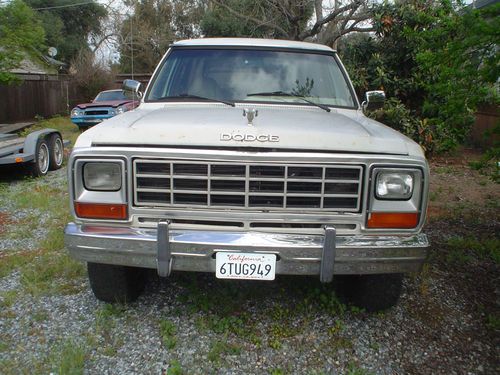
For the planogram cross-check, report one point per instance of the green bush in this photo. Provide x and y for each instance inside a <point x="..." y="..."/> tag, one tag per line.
<point x="435" y="60"/>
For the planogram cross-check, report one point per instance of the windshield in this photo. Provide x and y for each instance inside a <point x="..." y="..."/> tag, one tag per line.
<point x="243" y="74"/>
<point x="112" y="95"/>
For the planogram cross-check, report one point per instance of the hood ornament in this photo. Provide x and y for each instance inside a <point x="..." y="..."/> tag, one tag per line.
<point x="250" y="115"/>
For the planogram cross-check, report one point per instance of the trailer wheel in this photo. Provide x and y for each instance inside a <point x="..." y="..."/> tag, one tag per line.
<point x="56" y="149"/>
<point x="41" y="163"/>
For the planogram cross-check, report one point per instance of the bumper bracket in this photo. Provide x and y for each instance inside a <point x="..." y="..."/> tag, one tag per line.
<point x="164" y="256"/>
<point x="328" y="256"/>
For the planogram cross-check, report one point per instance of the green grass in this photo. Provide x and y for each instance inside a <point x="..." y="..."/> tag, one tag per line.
<point x="277" y="371"/>
<point x="353" y="369"/>
<point x="174" y="368"/>
<point x="103" y="336"/>
<point x="5" y="343"/>
<point x="68" y="358"/>
<point x="444" y="170"/>
<point x="65" y="358"/>
<point x="167" y="333"/>
<point x="11" y="262"/>
<point x="493" y="322"/>
<point x="48" y="269"/>
<point x="67" y="129"/>
<point x="466" y="249"/>
<point x="219" y="348"/>
<point x="52" y="273"/>
<point x="40" y="315"/>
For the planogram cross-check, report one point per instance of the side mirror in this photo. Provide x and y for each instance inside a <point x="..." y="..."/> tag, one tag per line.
<point x="373" y="100"/>
<point x="132" y="86"/>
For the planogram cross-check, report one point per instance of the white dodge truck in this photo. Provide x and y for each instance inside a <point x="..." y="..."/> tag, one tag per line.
<point x="248" y="158"/>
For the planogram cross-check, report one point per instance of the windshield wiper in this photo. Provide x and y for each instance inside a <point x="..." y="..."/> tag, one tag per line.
<point x="190" y="96"/>
<point x="284" y="93"/>
<point x="289" y="94"/>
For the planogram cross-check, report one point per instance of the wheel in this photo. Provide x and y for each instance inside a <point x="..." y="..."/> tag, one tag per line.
<point x="56" y="149"/>
<point x="371" y="292"/>
<point x="41" y="163"/>
<point x="111" y="283"/>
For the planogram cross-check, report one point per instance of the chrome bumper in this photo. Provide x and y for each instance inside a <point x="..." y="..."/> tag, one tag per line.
<point x="187" y="250"/>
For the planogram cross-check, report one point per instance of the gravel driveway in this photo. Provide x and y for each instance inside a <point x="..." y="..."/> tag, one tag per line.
<point x="447" y="321"/>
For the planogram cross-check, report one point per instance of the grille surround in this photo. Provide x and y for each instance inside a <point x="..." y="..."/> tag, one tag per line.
<point x="259" y="186"/>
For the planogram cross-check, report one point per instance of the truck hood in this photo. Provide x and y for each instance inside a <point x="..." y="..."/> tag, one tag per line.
<point x="275" y="127"/>
<point x="104" y="103"/>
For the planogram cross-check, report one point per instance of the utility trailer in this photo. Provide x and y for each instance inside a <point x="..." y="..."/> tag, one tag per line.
<point x="40" y="151"/>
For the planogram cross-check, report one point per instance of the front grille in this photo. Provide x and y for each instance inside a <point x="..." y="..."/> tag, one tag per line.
<point x="96" y="112"/>
<point x="166" y="183"/>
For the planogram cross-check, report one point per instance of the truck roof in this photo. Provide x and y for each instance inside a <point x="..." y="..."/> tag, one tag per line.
<point x="252" y="42"/>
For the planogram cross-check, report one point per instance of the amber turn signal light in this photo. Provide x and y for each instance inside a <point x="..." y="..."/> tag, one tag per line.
<point x="101" y="211"/>
<point x="396" y="220"/>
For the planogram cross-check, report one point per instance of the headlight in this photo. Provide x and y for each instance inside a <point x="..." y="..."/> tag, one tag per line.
<point x="120" y="110"/>
<point x="394" y="185"/>
<point x="76" y="112"/>
<point x="102" y="176"/>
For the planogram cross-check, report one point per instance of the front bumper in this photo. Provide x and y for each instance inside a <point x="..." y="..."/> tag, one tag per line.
<point x="90" y="120"/>
<point x="188" y="250"/>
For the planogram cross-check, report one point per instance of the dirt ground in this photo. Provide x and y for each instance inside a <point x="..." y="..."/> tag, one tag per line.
<point x="464" y="230"/>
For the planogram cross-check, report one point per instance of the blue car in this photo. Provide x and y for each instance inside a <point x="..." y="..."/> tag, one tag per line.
<point x="105" y="105"/>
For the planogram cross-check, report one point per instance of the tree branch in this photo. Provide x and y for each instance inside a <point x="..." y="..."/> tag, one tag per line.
<point x="250" y="18"/>
<point x="319" y="23"/>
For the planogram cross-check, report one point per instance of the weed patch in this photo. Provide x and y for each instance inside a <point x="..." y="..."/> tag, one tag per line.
<point x="68" y="358"/>
<point x="218" y="349"/>
<point x="167" y="333"/>
<point x="52" y="272"/>
<point x="493" y="322"/>
<point x="466" y="249"/>
<point x="174" y="368"/>
<point x="104" y="325"/>
<point x="11" y="262"/>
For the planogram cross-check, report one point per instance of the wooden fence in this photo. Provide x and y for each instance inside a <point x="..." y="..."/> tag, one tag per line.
<point x="37" y="95"/>
<point x="487" y="117"/>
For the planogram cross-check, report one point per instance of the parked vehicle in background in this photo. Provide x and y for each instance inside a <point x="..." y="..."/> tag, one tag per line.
<point x="249" y="158"/>
<point x="105" y="105"/>
<point x="40" y="151"/>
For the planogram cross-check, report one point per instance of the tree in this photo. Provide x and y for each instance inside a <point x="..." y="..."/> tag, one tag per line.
<point x="90" y="76"/>
<point x="69" y="27"/>
<point x="436" y="62"/>
<point x="461" y="59"/>
<point x="310" y="20"/>
<point x="151" y="27"/>
<point x="21" y="33"/>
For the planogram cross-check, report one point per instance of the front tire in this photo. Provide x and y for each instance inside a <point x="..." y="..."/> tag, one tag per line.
<point x="111" y="283"/>
<point x="371" y="292"/>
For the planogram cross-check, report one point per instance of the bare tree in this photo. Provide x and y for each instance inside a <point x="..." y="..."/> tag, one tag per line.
<point x="91" y="76"/>
<point x="314" y="20"/>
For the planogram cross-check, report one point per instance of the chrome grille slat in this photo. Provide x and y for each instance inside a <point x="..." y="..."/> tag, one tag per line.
<point x="234" y="185"/>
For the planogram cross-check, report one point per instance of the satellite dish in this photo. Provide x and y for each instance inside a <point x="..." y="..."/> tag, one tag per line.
<point x="52" y="51"/>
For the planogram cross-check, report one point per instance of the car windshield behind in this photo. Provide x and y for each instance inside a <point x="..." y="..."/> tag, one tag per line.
<point x="112" y="95"/>
<point x="242" y="74"/>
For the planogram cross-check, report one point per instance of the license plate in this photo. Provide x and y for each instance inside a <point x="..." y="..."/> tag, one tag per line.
<point x="248" y="266"/>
